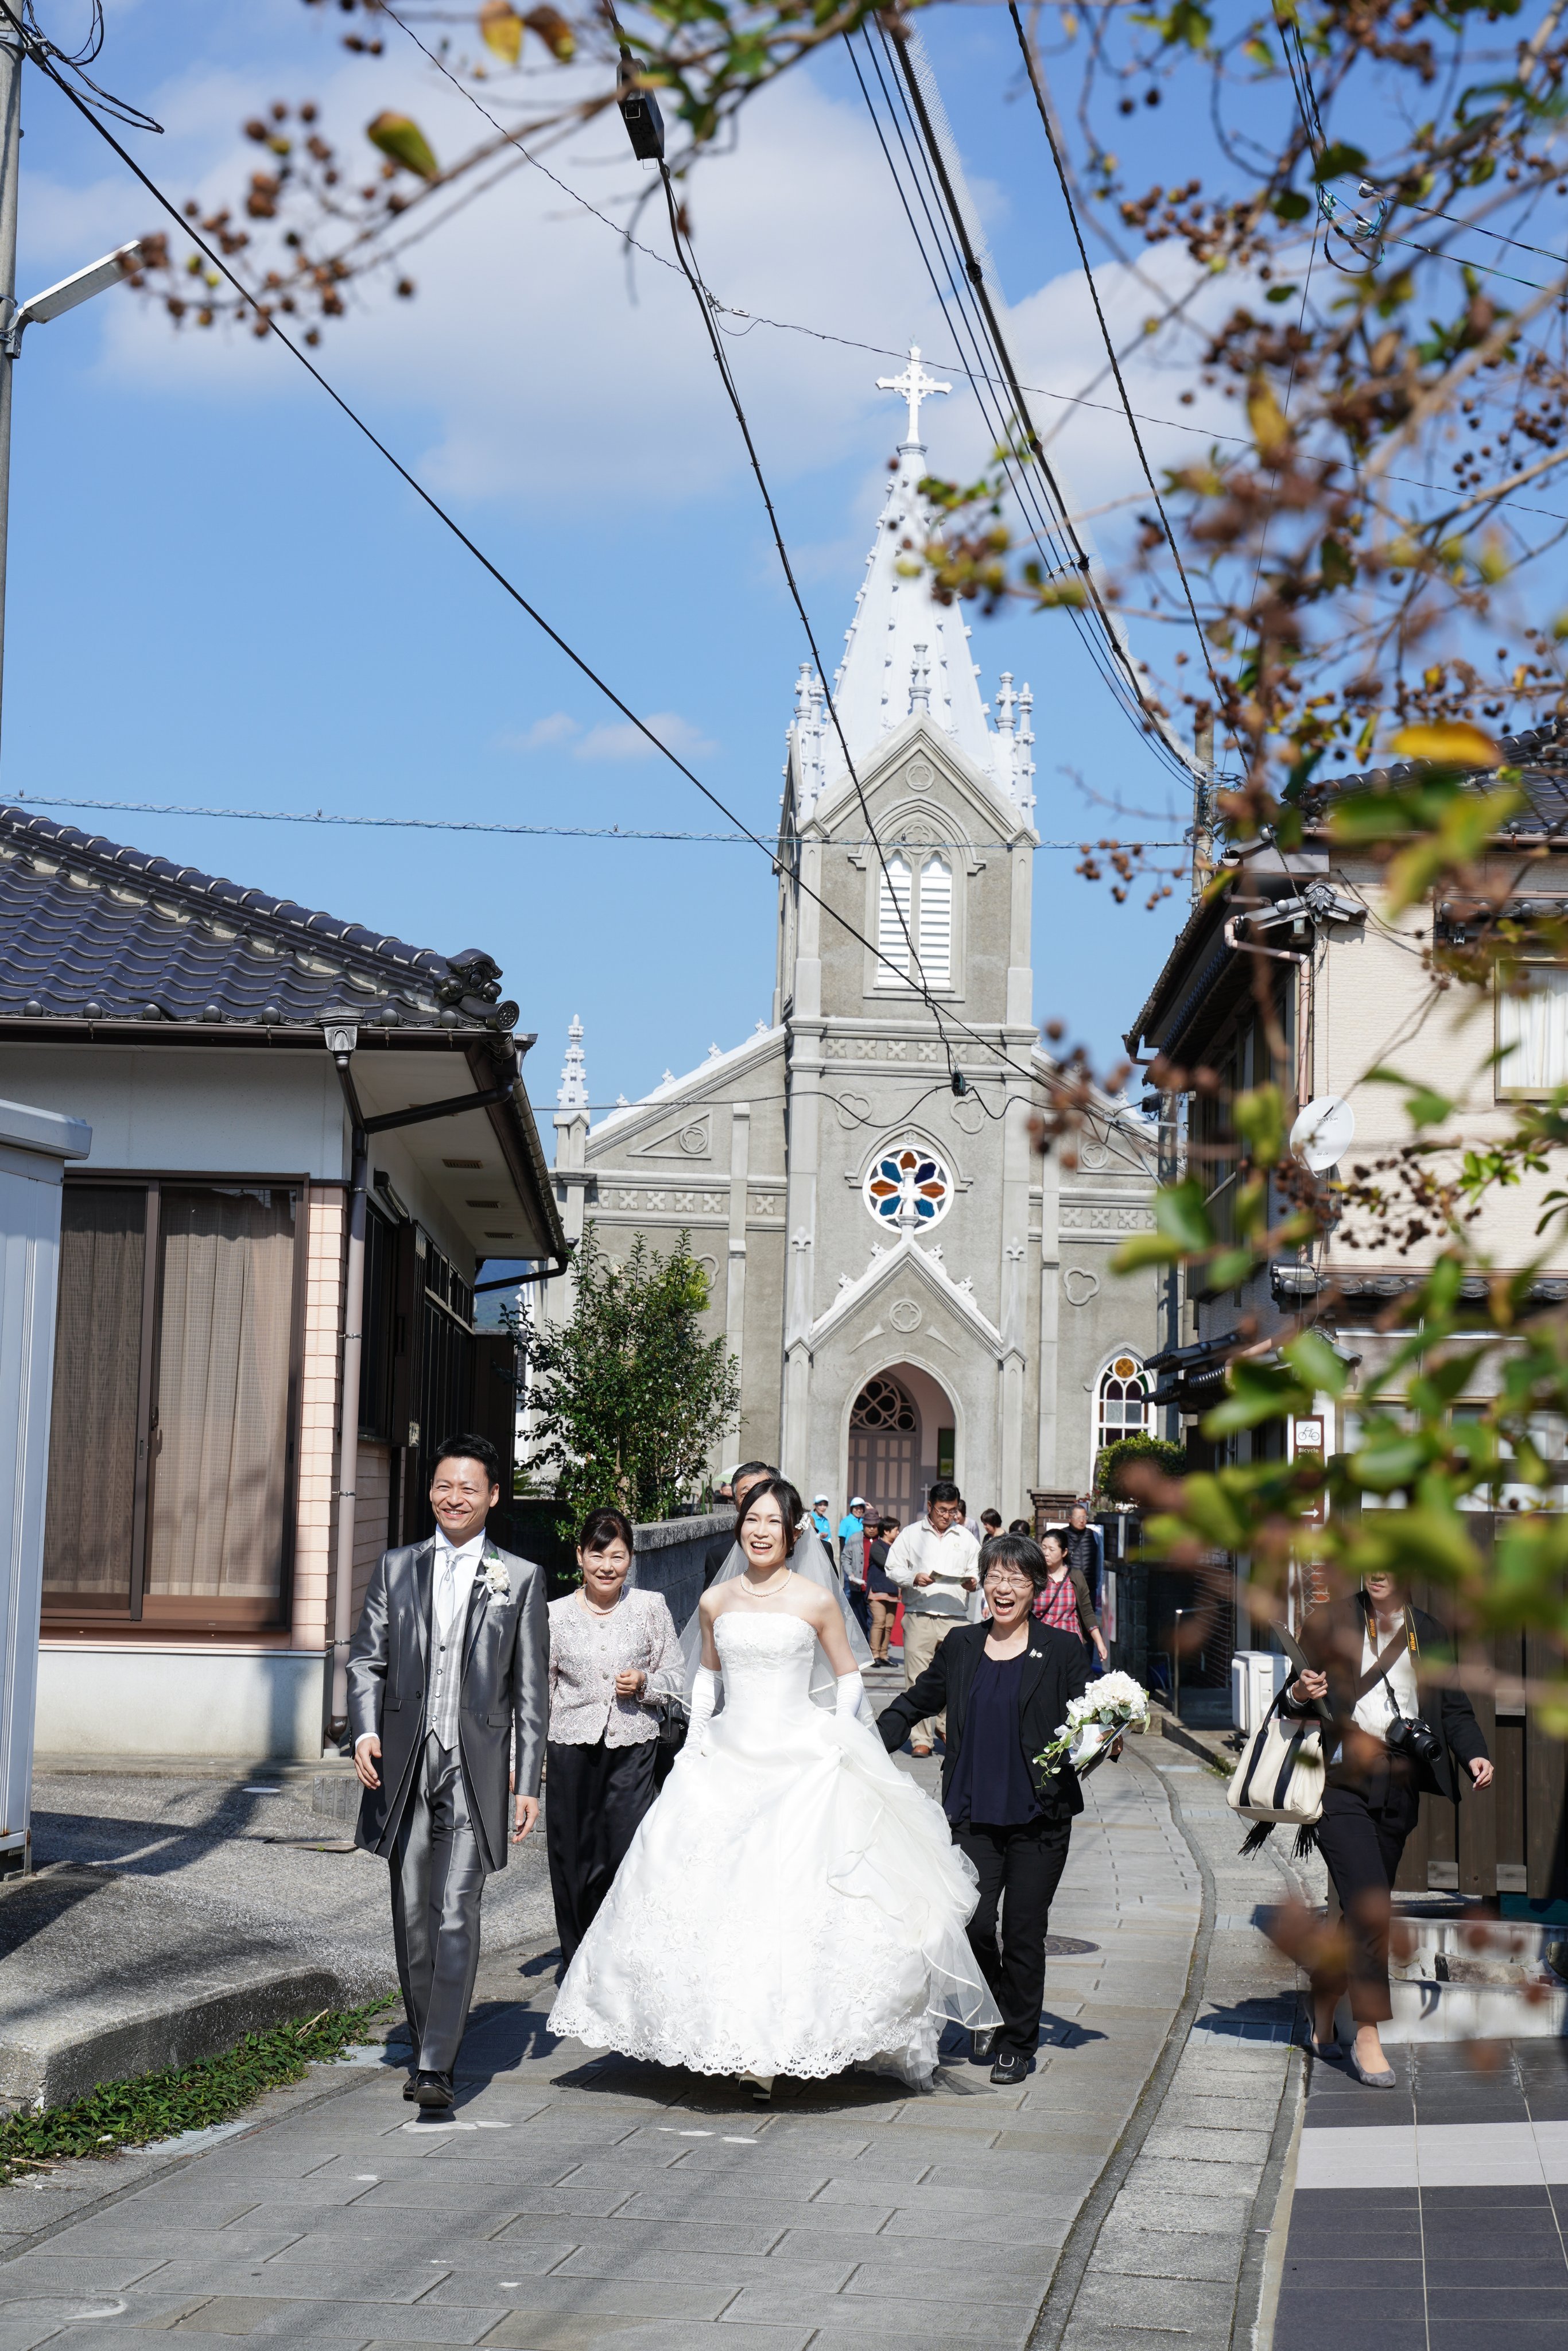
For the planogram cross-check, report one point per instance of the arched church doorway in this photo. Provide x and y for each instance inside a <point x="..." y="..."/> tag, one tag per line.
<point x="901" y="1437"/>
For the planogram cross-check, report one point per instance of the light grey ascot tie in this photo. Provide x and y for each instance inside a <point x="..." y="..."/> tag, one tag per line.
<point x="446" y="1594"/>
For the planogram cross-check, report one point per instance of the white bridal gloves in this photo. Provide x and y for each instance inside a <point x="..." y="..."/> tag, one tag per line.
<point x="705" y="1697"/>
<point x="850" y="1700"/>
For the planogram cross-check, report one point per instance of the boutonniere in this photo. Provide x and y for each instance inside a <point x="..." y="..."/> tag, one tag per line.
<point x="496" y="1580"/>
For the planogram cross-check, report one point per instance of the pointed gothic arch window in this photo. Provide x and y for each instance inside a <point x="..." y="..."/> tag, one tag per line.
<point x="882" y="1404"/>
<point x="936" y="922"/>
<point x="892" y="911"/>
<point x="1122" y="1405"/>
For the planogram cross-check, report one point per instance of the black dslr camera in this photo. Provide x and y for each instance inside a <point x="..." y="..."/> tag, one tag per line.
<point x="1409" y="1734"/>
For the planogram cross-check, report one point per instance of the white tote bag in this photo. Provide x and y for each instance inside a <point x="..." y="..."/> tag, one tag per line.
<point x="1280" y="1777"/>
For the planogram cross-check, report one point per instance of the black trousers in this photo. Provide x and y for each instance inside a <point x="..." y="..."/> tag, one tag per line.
<point x="595" y="1798"/>
<point x="1020" y="1870"/>
<point x="856" y="1594"/>
<point x="1361" y="1836"/>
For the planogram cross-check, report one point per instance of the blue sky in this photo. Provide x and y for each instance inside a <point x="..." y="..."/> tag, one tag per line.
<point x="219" y="594"/>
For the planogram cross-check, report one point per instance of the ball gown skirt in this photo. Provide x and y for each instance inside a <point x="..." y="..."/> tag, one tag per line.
<point x="793" y="1904"/>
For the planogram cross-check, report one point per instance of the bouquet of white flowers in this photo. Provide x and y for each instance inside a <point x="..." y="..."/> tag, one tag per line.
<point x="1108" y="1707"/>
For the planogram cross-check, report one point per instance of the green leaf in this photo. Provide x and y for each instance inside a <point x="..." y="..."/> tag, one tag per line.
<point x="1230" y="1268"/>
<point x="1259" y="1115"/>
<point x="1338" y="161"/>
<point x="1386" y="1464"/>
<point x="1180" y="1214"/>
<point x="1289" y="204"/>
<point x="1336" y="564"/>
<point x="1315" y="1364"/>
<point x="1258" y="1393"/>
<point x="1140" y="1249"/>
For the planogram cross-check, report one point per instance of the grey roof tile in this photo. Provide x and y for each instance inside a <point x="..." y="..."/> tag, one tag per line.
<point x="89" y="930"/>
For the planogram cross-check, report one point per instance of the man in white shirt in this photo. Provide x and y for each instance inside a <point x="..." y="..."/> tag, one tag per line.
<point x="936" y="1562"/>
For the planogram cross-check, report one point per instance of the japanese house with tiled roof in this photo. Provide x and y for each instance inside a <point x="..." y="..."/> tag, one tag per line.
<point x="194" y="1578"/>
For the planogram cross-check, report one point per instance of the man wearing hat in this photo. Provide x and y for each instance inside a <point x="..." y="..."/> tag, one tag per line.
<point x="851" y="1561"/>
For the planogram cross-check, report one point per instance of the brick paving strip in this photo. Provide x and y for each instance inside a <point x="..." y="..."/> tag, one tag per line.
<point x="577" y="2202"/>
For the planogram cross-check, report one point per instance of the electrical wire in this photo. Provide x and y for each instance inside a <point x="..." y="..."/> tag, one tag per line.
<point x="529" y="831"/>
<point x="40" y="58"/>
<point x="970" y="291"/>
<point x="1044" y="113"/>
<point x="693" y="275"/>
<point x="1003" y="429"/>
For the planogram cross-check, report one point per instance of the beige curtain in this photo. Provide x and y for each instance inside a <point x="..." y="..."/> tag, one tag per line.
<point x="92" y="1423"/>
<point x="226" y="1285"/>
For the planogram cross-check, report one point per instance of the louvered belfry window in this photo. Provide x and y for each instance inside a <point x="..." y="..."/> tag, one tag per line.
<point x="892" y="921"/>
<point x="914" y="906"/>
<point x="936" y="922"/>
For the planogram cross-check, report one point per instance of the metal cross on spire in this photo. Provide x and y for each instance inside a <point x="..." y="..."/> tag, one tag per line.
<point x="914" y="385"/>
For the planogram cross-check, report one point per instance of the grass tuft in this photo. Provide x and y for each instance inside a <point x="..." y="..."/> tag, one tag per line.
<point x="151" y="2107"/>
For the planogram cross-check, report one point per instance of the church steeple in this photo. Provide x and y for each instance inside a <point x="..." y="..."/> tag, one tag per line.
<point x="904" y="653"/>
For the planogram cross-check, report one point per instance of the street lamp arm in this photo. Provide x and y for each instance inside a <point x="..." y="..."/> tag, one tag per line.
<point x="81" y="287"/>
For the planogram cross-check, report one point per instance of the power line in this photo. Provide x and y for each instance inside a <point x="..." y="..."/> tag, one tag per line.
<point x="39" y="52"/>
<point x="525" y="831"/>
<point x="1046" y="125"/>
<point x="970" y="288"/>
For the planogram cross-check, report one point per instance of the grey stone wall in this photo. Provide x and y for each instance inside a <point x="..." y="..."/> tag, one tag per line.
<point x="669" y="1556"/>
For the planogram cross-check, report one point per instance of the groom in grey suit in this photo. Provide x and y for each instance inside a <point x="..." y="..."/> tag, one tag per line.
<point x="449" y="1665"/>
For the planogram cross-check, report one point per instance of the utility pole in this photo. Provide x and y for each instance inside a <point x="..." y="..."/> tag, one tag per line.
<point x="52" y="303"/>
<point x="10" y="173"/>
<point x="1203" y="808"/>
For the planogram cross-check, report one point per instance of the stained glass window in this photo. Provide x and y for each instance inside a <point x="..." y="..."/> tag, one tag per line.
<point x="908" y="1186"/>
<point x="1123" y="1401"/>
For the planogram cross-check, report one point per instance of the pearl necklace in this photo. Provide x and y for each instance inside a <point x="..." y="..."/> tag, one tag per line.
<point x="602" y="1614"/>
<point x="761" y="1591"/>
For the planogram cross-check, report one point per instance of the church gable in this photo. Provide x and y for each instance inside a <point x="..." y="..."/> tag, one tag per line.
<point x="919" y="775"/>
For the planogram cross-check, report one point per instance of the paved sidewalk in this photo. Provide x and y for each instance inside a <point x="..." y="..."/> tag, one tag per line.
<point x="578" y="2201"/>
<point x="1434" y="2216"/>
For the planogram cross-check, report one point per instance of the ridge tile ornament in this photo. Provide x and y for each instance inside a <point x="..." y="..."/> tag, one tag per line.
<point x="908" y="1186"/>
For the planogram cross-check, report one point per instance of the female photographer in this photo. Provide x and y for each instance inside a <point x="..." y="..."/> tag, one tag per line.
<point x="1382" y="1754"/>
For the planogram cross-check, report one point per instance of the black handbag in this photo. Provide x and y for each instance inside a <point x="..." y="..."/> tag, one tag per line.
<point x="673" y="1723"/>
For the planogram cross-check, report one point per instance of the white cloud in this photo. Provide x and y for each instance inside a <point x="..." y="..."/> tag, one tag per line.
<point x="559" y="728"/>
<point x="627" y="742"/>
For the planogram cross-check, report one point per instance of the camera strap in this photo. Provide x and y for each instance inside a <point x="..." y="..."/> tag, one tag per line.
<point x="1404" y="1639"/>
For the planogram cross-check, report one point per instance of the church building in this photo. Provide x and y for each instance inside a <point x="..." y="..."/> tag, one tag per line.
<point x="912" y="1286"/>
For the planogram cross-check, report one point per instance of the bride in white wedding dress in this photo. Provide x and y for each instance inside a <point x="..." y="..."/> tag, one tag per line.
<point x="793" y="1902"/>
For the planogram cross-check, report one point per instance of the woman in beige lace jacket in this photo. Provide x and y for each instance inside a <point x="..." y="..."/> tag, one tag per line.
<point x="613" y="1654"/>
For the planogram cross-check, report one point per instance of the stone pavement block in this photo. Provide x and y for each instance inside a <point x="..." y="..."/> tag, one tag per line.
<point x="78" y="2274"/>
<point x="1094" y="2334"/>
<point x="990" y="2323"/>
<point x="1189" y="2136"/>
<point x="1172" y="2176"/>
<point x="1152" y="2206"/>
<point x="25" y="2325"/>
<point x="1033" y="2212"/>
<point x="598" y="2297"/>
<point x="684" y="2265"/>
<point x="925" y="2278"/>
<point x="670" y="2202"/>
<point x="1185" y="2108"/>
<point x="521" y="2332"/>
<point x="1182" y="2306"/>
<point x="1126" y="2249"/>
<point x="344" y="2325"/>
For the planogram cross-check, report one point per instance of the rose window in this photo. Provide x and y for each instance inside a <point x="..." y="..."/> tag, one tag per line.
<point x="908" y="1186"/>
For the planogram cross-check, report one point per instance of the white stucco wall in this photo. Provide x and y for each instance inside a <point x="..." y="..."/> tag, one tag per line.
<point x="102" y="1698"/>
<point x="208" y="1110"/>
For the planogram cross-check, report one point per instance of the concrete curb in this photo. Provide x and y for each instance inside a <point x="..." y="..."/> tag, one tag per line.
<point x="1078" y="2246"/>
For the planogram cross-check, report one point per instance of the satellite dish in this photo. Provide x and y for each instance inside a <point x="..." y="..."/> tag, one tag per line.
<point x="1323" y="1132"/>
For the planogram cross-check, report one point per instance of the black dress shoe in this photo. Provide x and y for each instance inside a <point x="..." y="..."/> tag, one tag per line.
<point x="982" y="2046"/>
<point x="433" y="2091"/>
<point x="1010" y="2068"/>
<point x="408" y="2086"/>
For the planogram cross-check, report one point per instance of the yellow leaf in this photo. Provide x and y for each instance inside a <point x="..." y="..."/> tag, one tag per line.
<point x="400" y="138"/>
<point x="503" y="29"/>
<point x="1266" y="417"/>
<point x="554" y="32"/>
<point x="1456" y="741"/>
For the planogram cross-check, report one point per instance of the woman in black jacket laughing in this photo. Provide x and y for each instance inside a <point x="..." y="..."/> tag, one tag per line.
<point x="1004" y="1688"/>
